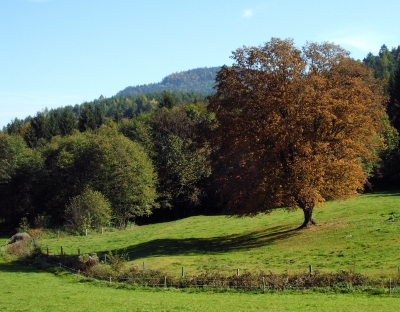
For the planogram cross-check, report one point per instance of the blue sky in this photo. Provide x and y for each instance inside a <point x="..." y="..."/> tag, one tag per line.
<point x="64" y="52"/>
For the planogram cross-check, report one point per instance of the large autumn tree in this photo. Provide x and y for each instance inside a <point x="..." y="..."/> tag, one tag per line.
<point x="295" y="127"/>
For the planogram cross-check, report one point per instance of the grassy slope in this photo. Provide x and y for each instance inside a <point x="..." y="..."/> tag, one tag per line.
<point x="349" y="235"/>
<point x="24" y="288"/>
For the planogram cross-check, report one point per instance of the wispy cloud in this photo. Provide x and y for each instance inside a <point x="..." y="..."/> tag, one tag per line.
<point x="365" y="43"/>
<point x="247" y="13"/>
<point x="360" y="41"/>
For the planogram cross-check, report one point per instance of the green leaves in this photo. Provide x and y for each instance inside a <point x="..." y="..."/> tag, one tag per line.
<point x="89" y="210"/>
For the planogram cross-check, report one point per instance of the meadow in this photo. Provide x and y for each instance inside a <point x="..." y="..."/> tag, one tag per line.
<point x="25" y="288"/>
<point x="360" y="234"/>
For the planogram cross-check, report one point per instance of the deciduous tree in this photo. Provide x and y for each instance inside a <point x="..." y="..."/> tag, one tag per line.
<point x="295" y="127"/>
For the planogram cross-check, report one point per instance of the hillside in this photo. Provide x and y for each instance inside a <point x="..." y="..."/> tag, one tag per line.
<point x="199" y="80"/>
<point x="360" y="235"/>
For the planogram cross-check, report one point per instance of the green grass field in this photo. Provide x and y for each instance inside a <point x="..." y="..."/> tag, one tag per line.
<point x="361" y="234"/>
<point x="24" y="288"/>
<point x="349" y="235"/>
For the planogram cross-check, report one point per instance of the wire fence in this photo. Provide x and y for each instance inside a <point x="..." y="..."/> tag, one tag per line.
<point x="261" y="282"/>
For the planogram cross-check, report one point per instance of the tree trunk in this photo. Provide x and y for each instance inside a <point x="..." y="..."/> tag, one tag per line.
<point x="308" y="219"/>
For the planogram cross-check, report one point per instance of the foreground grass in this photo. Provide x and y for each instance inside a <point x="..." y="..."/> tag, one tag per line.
<point x="25" y="288"/>
<point x="360" y="235"/>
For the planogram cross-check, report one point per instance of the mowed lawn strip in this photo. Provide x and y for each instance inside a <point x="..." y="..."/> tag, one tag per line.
<point x="360" y="234"/>
<point x="25" y="288"/>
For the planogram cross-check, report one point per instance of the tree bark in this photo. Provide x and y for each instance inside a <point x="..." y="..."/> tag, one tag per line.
<point x="308" y="219"/>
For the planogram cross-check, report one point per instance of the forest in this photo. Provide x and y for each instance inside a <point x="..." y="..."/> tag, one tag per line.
<point x="284" y="128"/>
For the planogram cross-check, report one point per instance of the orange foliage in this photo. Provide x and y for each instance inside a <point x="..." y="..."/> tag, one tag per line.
<point x="294" y="127"/>
<point x="35" y="232"/>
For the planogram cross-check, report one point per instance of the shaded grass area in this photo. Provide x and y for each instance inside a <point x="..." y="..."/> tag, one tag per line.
<point x="24" y="288"/>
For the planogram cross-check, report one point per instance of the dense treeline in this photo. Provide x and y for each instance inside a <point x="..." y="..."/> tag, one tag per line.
<point x="386" y="66"/>
<point x="199" y="80"/>
<point x="57" y="166"/>
<point x="121" y="159"/>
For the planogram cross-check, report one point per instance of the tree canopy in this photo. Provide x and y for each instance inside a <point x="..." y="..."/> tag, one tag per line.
<point x="295" y="127"/>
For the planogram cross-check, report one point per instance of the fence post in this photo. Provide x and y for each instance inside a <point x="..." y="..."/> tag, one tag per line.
<point x="102" y="231"/>
<point x="144" y="266"/>
<point x="61" y="251"/>
<point x="165" y="282"/>
<point x="263" y="284"/>
<point x="237" y="272"/>
<point x="86" y="232"/>
<point x="310" y="269"/>
<point x="110" y="279"/>
<point x="58" y="234"/>
<point x="183" y="272"/>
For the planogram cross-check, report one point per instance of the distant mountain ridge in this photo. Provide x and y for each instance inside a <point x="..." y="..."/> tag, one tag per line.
<point x="198" y="80"/>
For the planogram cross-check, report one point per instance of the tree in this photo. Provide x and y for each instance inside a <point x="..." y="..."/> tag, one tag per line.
<point x="87" y="119"/>
<point x="106" y="162"/>
<point x="88" y="210"/>
<point x="67" y="121"/>
<point x="14" y="127"/>
<point x="181" y="161"/>
<point x="167" y="100"/>
<point x="20" y="169"/>
<point x="294" y="127"/>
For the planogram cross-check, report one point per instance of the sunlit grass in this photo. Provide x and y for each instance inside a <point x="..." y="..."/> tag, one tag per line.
<point x="25" y="288"/>
<point x="360" y="234"/>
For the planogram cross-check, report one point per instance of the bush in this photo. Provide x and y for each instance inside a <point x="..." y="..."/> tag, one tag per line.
<point x="88" y="210"/>
<point x="19" y="248"/>
<point x="117" y="260"/>
<point x="88" y="261"/>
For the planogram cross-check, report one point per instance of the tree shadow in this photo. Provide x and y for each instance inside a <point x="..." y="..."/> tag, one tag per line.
<point x="173" y="247"/>
<point x="212" y="245"/>
<point x="20" y="266"/>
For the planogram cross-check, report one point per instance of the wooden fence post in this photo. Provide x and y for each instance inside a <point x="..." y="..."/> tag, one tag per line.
<point x="165" y="282"/>
<point x="310" y="269"/>
<point x="183" y="272"/>
<point x="144" y="266"/>
<point x="237" y="272"/>
<point x="62" y="251"/>
<point x="263" y="284"/>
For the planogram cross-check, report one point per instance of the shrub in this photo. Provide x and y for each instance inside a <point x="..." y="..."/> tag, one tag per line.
<point x="88" y="210"/>
<point x="117" y="260"/>
<point x="88" y="261"/>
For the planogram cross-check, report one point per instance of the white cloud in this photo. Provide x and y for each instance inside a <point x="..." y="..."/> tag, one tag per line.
<point x="365" y="43"/>
<point x="361" y="42"/>
<point x="247" y="13"/>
